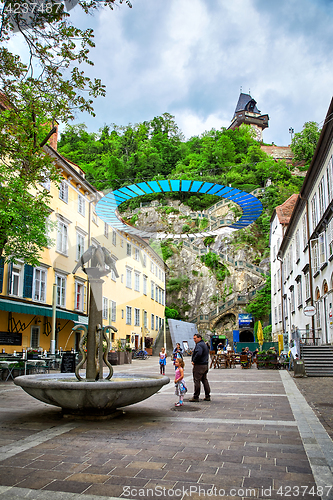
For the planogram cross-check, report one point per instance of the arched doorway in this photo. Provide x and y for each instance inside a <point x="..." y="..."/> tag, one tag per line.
<point x="246" y="336"/>
<point x="326" y="313"/>
<point x="223" y="330"/>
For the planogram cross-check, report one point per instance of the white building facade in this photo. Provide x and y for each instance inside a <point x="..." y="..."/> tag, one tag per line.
<point x="305" y="254"/>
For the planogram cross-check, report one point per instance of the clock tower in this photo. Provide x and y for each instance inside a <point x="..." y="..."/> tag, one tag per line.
<point x="247" y="112"/>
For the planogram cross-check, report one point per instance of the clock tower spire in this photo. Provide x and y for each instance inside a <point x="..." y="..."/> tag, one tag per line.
<point x="247" y="112"/>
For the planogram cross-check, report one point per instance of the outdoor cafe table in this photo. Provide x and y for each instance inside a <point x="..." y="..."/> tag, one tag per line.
<point x="10" y="365"/>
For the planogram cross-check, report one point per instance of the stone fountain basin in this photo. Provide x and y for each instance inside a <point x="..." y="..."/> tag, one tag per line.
<point x="101" y="397"/>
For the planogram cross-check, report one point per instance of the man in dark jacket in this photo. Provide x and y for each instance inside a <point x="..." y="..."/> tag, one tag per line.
<point x="200" y="358"/>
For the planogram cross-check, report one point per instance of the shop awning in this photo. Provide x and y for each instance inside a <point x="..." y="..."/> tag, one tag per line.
<point x="36" y="310"/>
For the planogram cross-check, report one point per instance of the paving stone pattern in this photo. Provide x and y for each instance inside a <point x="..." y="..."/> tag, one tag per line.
<point x="244" y="443"/>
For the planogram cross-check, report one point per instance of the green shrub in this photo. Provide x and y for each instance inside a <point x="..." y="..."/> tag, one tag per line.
<point x="177" y="284"/>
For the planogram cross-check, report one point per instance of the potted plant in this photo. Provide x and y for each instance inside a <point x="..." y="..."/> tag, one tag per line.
<point x="128" y="353"/>
<point x="120" y="353"/>
<point x="32" y="353"/>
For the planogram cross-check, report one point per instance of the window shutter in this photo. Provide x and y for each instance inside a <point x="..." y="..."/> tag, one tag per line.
<point x="2" y="265"/>
<point x="9" y="278"/>
<point x="84" y="299"/>
<point x="27" y="282"/>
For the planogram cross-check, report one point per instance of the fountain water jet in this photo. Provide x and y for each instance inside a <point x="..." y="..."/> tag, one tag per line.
<point x="93" y="395"/>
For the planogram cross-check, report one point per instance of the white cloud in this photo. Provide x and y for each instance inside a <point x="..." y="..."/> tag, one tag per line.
<point x="190" y="58"/>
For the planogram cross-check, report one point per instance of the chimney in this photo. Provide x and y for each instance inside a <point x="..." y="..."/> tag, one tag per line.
<point x="53" y="141"/>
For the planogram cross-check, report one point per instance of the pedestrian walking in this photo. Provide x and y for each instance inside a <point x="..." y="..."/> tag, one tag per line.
<point x="177" y="353"/>
<point x="162" y="361"/>
<point x="180" y="385"/>
<point x="200" y="358"/>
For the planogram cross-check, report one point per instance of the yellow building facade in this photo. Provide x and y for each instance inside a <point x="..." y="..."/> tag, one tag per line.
<point x="134" y="303"/>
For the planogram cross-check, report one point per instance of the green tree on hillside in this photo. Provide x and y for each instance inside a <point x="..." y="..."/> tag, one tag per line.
<point x="48" y="86"/>
<point x="304" y="143"/>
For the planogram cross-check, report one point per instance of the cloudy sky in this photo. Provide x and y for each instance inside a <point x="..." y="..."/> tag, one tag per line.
<point x="191" y="57"/>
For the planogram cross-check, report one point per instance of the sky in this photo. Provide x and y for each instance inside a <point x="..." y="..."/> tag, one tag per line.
<point x="191" y="58"/>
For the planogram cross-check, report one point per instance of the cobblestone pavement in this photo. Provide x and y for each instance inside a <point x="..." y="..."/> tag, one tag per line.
<point x="256" y="438"/>
<point x="318" y="392"/>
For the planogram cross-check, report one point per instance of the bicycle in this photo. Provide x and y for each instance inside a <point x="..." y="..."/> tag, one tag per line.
<point x="139" y="354"/>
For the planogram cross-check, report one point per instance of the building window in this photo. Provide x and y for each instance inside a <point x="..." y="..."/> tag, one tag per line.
<point x="156" y="323"/>
<point x="274" y="284"/>
<point x="137" y="282"/>
<point x="304" y="230"/>
<point x="314" y="212"/>
<point x="136" y="317"/>
<point x="297" y="245"/>
<point x="329" y="180"/>
<point x="128" y="315"/>
<point x="299" y="293"/>
<point x="79" y="245"/>
<point x="79" y="296"/>
<point x="81" y="205"/>
<point x="162" y="297"/>
<point x="278" y="279"/>
<point x="275" y="315"/>
<point x="114" y="238"/>
<point x="35" y="337"/>
<point x="292" y="299"/>
<point x="152" y="266"/>
<point x="46" y="183"/>
<point x="156" y="293"/>
<point x="136" y="254"/>
<point x="128" y="250"/>
<point x="15" y="281"/>
<point x="39" y="292"/>
<point x="145" y="319"/>
<point x="321" y="193"/>
<point x="144" y="260"/>
<point x="291" y="259"/>
<point x="61" y="291"/>
<point x="307" y="285"/>
<point x="321" y="247"/>
<point x="314" y="256"/>
<point x="280" y="313"/>
<point x="113" y="309"/>
<point x="330" y="237"/>
<point x="152" y="321"/>
<point x="144" y="284"/>
<point x="105" y="308"/>
<point x="274" y="253"/>
<point x="152" y="290"/>
<point x="128" y="278"/>
<point x="62" y="237"/>
<point x="106" y="230"/>
<point x="159" y="296"/>
<point x="63" y="191"/>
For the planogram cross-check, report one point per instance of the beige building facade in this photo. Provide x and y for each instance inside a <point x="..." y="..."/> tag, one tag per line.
<point x="134" y="303"/>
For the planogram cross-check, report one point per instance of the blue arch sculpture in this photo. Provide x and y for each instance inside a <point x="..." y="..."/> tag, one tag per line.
<point x="106" y="208"/>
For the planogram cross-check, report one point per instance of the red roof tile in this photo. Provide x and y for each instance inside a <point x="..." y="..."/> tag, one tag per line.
<point x="285" y="210"/>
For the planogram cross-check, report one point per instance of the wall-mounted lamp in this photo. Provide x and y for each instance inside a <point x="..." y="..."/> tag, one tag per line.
<point x="37" y="320"/>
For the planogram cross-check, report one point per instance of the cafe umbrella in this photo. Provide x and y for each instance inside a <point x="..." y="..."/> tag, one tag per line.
<point x="260" y="335"/>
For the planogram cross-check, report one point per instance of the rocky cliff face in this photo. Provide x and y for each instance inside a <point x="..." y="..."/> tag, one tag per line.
<point x="192" y="287"/>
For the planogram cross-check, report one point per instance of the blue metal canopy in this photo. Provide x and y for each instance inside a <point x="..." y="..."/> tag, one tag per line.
<point x="106" y="208"/>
